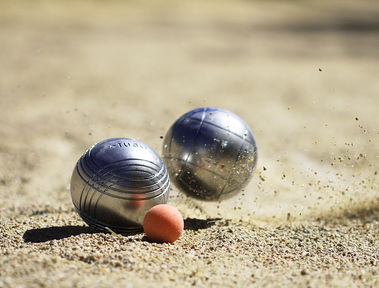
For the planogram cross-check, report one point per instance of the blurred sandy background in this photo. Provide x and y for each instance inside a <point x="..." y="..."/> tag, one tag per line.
<point x="302" y="74"/>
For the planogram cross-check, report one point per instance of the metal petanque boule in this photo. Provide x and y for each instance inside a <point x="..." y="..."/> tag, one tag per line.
<point x="116" y="181"/>
<point x="210" y="153"/>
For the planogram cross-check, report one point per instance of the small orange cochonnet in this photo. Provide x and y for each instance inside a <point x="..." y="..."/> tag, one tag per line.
<point x="163" y="223"/>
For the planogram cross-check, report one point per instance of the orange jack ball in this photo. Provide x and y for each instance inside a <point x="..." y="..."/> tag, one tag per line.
<point x="163" y="223"/>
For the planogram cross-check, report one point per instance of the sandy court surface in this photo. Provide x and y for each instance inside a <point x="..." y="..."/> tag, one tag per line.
<point x="303" y="75"/>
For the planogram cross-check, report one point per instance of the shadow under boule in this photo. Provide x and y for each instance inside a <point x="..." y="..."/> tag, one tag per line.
<point x="55" y="233"/>
<point x="197" y="224"/>
<point x="40" y="235"/>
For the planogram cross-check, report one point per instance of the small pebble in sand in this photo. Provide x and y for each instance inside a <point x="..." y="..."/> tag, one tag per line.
<point x="163" y="223"/>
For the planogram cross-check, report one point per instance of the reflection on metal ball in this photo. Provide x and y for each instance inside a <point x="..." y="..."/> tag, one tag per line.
<point x="210" y="153"/>
<point x="116" y="182"/>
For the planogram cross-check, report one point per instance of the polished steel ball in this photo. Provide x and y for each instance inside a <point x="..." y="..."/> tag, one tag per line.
<point x="210" y="153"/>
<point x="116" y="182"/>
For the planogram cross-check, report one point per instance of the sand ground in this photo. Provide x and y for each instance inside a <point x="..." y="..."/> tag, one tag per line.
<point x="303" y="74"/>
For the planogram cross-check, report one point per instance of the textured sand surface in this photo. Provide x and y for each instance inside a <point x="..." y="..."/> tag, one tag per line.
<point x="303" y="75"/>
